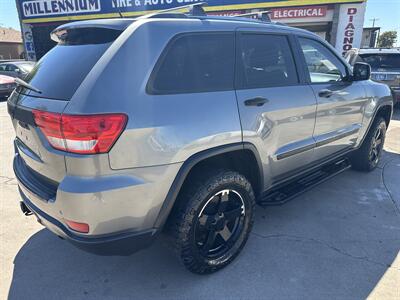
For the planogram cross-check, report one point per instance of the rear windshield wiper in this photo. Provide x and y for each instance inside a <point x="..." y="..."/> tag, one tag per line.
<point x="20" y="82"/>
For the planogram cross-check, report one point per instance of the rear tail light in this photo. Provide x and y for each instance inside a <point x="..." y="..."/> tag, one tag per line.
<point x="84" y="134"/>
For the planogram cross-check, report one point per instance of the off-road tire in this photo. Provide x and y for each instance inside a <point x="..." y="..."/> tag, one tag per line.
<point x="361" y="159"/>
<point x="192" y="200"/>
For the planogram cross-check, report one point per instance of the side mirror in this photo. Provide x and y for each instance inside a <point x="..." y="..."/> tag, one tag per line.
<point x="361" y="71"/>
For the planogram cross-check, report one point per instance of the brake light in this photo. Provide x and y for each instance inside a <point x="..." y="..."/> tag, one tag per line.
<point x="84" y="134"/>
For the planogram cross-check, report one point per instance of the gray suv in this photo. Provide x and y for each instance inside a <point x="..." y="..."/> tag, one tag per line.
<point x="181" y="123"/>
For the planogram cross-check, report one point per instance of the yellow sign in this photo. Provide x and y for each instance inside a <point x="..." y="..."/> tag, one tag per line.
<point x="41" y="11"/>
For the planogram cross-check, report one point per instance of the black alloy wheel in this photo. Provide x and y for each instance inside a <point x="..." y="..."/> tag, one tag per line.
<point x="220" y="223"/>
<point x="367" y="157"/>
<point x="212" y="220"/>
<point x="376" y="145"/>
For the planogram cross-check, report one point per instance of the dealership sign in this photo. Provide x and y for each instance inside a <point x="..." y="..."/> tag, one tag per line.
<point x="39" y="11"/>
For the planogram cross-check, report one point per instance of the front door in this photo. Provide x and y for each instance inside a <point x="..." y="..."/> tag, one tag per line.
<point x="340" y="101"/>
<point x="277" y="107"/>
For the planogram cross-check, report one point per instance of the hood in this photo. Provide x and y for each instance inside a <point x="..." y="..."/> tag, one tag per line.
<point x="386" y="70"/>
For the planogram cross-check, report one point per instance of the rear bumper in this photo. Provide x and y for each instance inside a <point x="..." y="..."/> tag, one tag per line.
<point x="121" y="218"/>
<point x="124" y="243"/>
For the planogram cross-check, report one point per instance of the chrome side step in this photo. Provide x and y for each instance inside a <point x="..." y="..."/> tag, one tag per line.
<point x="284" y="193"/>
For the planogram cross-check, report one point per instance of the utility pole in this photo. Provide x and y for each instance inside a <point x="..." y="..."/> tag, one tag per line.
<point x="373" y="21"/>
<point x="379" y="31"/>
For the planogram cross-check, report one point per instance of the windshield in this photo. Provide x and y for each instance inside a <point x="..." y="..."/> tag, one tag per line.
<point x="382" y="61"/>
<point x="25" y="67"/>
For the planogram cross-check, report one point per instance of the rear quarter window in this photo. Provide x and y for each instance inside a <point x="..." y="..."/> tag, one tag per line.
<point x="194" y="63"/>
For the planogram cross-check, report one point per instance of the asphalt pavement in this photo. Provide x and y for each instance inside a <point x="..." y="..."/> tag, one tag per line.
<point x="340" y="240"/>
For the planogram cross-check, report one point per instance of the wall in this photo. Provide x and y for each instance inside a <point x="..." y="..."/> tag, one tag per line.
<point x="11" y="50"/>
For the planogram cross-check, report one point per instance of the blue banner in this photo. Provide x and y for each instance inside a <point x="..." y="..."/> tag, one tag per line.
<point x="39" y="11"/>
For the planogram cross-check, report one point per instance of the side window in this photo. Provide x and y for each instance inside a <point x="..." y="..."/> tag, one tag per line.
<point x="11" y="68"/>
<point x="265" y="61"/>
<point x="195" y="63"/>
<point x="2" y="67"/>
<point x="322" y="64"/>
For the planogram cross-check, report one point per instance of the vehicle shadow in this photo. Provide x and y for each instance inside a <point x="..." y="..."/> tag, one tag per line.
<point x="338" y="240"/>
<point x="329" y="243"/>
<point x="396" y="113"/>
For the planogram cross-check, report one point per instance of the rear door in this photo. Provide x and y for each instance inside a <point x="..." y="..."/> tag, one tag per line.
<point x="277" y="108"/>
<point x="340" y="102"/>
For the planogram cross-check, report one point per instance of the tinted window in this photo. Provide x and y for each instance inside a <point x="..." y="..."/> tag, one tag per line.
<point x="195" y="63"/>
<point x="384" y="61"/>
<point x="60" y="72"/>
<point x="322" y="64"/>
<point x="11" y="68"/>
<point x="265" y="61"/>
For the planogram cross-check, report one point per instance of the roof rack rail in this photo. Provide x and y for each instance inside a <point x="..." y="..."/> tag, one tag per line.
<point x="195" y="9"/>
<point x="260" y="15"/>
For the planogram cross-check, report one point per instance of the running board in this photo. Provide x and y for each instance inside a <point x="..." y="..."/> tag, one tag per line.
<point x="284" y="193"/>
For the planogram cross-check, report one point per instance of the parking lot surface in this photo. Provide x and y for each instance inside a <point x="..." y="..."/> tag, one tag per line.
<point x="341" y="240"/>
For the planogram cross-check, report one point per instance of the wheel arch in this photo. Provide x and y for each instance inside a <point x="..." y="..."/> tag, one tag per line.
<point x="384" y="110"/>
<point x="218" y="157"/>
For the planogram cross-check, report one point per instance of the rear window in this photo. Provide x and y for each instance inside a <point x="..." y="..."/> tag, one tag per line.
<point x="381" y="61"/>
<point x="61" y="71"/>
<point x="193" y="63"/>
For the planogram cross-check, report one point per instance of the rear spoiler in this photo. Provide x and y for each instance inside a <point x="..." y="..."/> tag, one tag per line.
<point x="59" y="34"/>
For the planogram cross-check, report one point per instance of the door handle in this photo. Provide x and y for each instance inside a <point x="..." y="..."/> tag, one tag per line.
<point x="325" y="93"/>
<point x="257" y="101"/>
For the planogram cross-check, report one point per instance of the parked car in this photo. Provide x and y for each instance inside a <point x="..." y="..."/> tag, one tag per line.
<point x="16" y="68"/>
<point x="7" y="85"/>
<point x="185" y="132"/>
<point x="385" y="64"/>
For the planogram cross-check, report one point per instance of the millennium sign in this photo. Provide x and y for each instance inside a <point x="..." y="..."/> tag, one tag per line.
<point x="41" y="11"/>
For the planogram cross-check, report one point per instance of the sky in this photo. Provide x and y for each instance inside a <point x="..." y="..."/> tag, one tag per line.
<point x="386" y="11"/>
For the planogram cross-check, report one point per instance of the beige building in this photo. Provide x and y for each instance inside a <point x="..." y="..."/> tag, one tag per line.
<point x="11" y="46"/>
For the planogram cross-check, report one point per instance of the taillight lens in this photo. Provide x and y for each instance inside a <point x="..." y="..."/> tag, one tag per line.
<point x="85" y="134"/>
